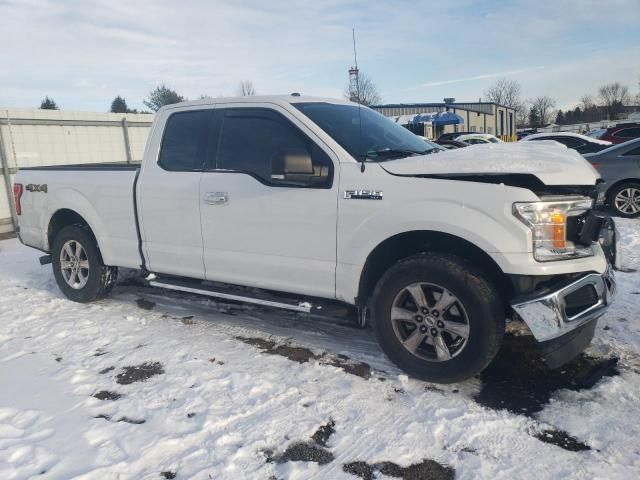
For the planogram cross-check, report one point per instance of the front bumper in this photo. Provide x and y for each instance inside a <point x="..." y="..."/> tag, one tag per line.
<point x="568" y="306"/>
<point x="572" y="304"/>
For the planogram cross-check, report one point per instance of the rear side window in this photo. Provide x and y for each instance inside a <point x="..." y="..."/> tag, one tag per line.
<point x="569" y="142"/>
<point x="184" y="143"/>
<point x="628" y="133"/>
<point x="635" y="151"/>
<point x="264" y="144"/>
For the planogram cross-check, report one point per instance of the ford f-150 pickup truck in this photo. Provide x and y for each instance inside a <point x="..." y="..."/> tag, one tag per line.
<point x="301" y="200"/>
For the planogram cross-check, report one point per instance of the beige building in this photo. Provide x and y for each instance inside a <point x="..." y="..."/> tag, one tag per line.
<point x="481" y="117"/>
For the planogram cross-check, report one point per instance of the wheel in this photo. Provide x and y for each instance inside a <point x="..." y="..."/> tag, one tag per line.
<point x="625" y="199"/>
<point x="437" y="317"/>
<point x="78" y="267"/>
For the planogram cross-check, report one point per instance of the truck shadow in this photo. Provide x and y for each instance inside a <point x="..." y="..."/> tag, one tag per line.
<point x="519" y="381"/>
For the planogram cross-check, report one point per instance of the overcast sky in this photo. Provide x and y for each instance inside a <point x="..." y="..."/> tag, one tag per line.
<point x="85" y="52"/>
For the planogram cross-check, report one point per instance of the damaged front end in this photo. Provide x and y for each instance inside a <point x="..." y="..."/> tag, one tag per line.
<point x="563" y="314"/>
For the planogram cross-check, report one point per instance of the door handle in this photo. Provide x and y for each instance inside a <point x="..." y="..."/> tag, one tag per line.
<point x="216" y="198"/>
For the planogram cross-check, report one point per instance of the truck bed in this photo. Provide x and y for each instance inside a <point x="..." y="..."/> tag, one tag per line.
<point x="103" y="194"/>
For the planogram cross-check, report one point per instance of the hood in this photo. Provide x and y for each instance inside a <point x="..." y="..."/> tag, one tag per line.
<point x="552" y="164"/>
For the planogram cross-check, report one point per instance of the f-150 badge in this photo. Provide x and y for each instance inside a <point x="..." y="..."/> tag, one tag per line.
<point x="363" y="194"/>
<point x="36" y="188"/>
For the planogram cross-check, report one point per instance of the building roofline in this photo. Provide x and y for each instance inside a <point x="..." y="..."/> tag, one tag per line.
<point x="435" y="104"/>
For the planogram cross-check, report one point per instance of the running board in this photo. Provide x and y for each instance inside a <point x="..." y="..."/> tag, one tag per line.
<point x="304" y="307"/>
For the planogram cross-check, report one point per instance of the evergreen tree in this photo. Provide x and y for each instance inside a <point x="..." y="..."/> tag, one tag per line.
<point x="534" y="119"/>
<point x="162" y="96"/>
<point x="48" y="104"/>
<point x="560" y="118"/>
<point x="119" y="105"/>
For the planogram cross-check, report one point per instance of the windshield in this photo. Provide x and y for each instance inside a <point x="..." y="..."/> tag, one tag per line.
<point x="377" y="138"/>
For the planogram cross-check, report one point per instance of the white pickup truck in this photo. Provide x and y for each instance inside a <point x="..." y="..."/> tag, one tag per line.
<point x="306" y="201"/>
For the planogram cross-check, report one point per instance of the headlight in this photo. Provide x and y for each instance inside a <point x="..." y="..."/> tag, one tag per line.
<point x="548" y="223"/>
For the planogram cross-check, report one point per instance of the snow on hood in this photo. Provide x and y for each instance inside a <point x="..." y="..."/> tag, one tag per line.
<point x="552" y="163"/>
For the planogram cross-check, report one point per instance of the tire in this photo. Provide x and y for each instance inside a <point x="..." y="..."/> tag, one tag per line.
<point x="456" y="298"/>
<point x="78" y="267"/>
<point x="624" y="199"/>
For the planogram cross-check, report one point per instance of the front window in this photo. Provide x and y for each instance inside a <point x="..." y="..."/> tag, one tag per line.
<point x="364" y="133"/>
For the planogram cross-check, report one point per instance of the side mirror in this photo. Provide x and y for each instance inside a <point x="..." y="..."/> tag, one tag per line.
<point x="292" y="166"/>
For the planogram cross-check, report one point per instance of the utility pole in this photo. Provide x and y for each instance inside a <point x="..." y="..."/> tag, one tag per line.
<point x="354" y="84"/>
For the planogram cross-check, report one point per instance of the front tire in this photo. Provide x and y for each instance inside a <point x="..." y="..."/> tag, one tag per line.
<point x="625" y="199"/>
<point x="78" y="267"/>
<point x="438" y="318"/>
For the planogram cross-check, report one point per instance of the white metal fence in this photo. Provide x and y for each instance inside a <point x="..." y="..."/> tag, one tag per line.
<point x="31" y="138"/>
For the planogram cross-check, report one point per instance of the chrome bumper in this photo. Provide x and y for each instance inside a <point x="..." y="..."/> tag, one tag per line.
<point x="547" y="316"/>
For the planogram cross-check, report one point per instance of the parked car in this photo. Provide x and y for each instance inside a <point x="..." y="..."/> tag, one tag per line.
<point x="574" y="141"/>
<point x="619" y="167"/>
<point x="451" y="136"/>
<point x="451" y="144"/>
<point x="296" y="203"/>
<point x="478" y="138"/>
<point x="622" y="132"/>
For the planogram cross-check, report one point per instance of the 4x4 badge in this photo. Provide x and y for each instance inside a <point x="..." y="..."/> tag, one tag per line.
<point x="363" y="194"/>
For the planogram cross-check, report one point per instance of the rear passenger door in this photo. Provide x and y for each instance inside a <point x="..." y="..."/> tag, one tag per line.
<point x="169" y="193"/>
<point x="269" y="204"/>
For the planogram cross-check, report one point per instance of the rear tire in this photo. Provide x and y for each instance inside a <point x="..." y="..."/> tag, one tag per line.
<point x="437" y="317"/>
<point x="625" y="199"/>
<point x="78" y="267"/>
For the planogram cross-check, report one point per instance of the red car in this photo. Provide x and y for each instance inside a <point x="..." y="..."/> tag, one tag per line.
<point x="623" y="132"/>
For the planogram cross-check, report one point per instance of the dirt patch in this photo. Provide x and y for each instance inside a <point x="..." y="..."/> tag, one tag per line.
<point x="133" y="421"/>
<point x="359" y="369"/>
<point x="303" y="452"/>
<point x="168" y="475"/>
<point x="107" y="395"/>
<point x="139" y="373"/>
<point x="295" y="354"/>
<point x="106" y="370"/>
<point x="322" y="435"/>
<point x="145" y="304"/>
<point x="425" y="470"/>
<point x="562" y="440"/>
<point x="303" y="355"/>
<point x="519" y="381"/>
<point x="100" y="352"/>
<point x="58" y="359"/>
<point x="360" y="469"/>
<point x="188" y="320"/>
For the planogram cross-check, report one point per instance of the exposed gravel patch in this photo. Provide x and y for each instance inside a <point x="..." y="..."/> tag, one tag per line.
<point x="139" y="373"/>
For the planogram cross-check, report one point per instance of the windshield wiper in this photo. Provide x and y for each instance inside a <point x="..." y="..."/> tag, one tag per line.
<point x="393" y="153"/>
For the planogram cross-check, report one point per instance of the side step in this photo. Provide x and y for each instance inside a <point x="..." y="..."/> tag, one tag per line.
<point x="201" y="289"/>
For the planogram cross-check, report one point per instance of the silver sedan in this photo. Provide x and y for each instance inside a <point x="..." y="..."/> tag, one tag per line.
<point x="619" y="167"/>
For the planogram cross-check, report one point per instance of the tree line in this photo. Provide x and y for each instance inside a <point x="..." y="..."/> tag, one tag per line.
<point x="155" y="100"/>
<point x="609" y="104"/>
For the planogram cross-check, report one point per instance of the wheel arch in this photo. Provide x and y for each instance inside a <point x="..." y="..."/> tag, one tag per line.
<point x="617" y="183"/>
<point x="64" y="217"/>
<point x="407" y="244"/>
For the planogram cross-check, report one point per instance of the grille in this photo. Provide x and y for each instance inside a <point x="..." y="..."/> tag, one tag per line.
<point x="579" y="300"/>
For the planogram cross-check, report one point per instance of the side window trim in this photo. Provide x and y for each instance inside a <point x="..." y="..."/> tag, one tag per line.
<point x="212" y="164"/>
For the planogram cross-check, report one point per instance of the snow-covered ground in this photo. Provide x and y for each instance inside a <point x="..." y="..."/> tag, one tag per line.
<point x="150" y="384"/>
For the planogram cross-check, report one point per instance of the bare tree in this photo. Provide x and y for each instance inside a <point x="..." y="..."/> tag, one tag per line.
<point x="246" y="88"/>
<point x="505" y="92"/>
<point x="543" y="108"/>
<point x="365" y="92"/>
<point x="587" y="102"/>
<point x="613" y="97"/>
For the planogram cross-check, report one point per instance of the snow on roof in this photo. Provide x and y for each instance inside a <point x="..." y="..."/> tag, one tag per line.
<point x="535" y="136"/>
